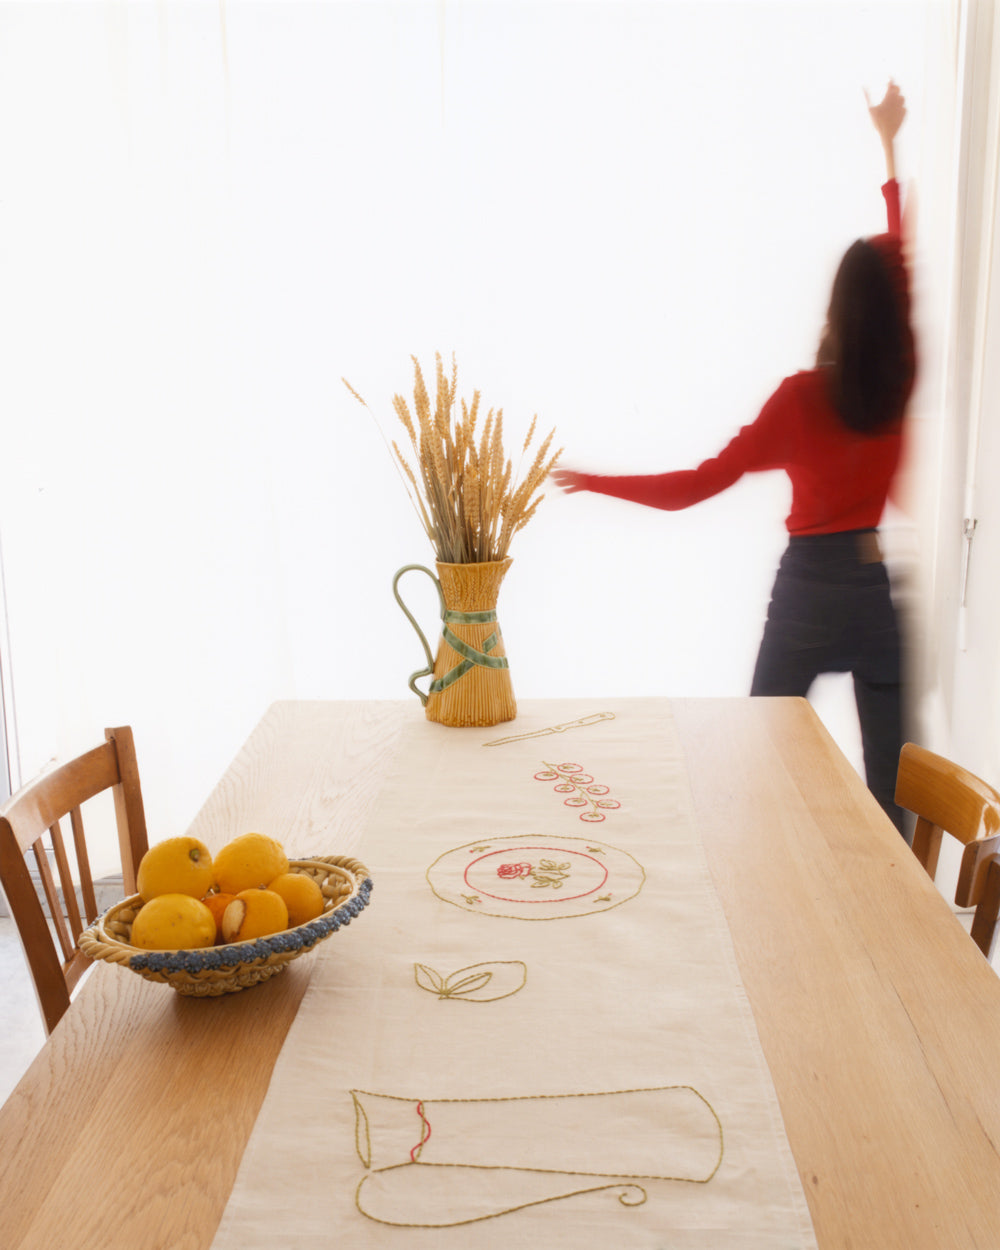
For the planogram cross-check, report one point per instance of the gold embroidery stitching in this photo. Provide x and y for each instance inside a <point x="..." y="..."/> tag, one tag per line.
<point x="631" y="1180"/>
<point x="469" y="987"/>
<point x="361" y="1117"/>
<point x="492" y="1215"/>
<point x="629" y="872"/>
<point x="593" y="719"/>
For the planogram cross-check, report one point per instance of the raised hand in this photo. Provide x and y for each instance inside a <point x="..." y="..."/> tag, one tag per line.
<point x="887" y="117"/>
<point x="568" y="480"/>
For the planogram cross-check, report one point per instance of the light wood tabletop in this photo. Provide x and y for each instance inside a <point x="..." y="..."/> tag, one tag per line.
<point x="878" y="1016"/>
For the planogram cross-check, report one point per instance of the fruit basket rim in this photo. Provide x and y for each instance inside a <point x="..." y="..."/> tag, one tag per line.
<point x="97" y="942"/>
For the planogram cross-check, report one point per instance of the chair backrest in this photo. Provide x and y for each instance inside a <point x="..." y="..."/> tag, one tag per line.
<point x="29" y="822"/>
<point x="946" y="798"/>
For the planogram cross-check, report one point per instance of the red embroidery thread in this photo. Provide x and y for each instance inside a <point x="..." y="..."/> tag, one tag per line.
<point x="580" y="786"/>
<point x="424" y="1136"/>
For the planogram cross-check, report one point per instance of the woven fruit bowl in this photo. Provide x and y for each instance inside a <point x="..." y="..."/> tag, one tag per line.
<point x="215" y="970"/>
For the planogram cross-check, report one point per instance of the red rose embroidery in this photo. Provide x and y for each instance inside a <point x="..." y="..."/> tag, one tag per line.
<point x="509" y="871"/>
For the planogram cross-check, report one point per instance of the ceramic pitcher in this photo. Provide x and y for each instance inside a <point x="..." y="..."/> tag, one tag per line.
<point x="470" y="677"/>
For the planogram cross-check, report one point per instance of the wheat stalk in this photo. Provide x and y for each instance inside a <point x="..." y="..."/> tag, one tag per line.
<point x="465" y="491"/>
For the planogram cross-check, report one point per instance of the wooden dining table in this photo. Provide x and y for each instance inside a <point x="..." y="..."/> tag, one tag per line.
<point x="878" y="1017"/>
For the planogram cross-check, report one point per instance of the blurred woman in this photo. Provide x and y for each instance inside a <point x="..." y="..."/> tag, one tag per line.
<point x="836" y="430"/>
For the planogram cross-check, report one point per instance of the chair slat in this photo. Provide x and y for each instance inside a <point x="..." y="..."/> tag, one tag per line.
<point x="70" y="907"/>
<point x="984" y="922"/>
<point x="926" y="842"/>
<point x="52" y="897"/>
<point x="973" y="869"/>
<point x="129" y="810"/>
<point x="84" y="873"/>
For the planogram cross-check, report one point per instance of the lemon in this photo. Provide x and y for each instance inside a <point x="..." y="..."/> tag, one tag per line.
<point x="251" y="860"/>
<point x="253" y="914"/>
<point x="173" y="922"/>
<point x="303" y="897"/>
<point x="175" y="866"/>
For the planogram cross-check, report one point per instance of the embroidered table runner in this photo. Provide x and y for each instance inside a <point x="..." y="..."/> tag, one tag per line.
<point x="536" y="1034"/>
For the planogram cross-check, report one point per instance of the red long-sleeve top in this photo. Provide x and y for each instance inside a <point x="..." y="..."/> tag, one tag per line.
<point x="840" y="478"/>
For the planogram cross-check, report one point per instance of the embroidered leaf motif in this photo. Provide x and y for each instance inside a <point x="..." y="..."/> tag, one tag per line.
<point x="428" y="979"/>
<point x="478" y="983"/>
<point x="465" y="985"/>
<point x="549" y="873"/>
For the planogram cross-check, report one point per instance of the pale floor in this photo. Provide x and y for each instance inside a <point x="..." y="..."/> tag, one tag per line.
<point x="22" y="1033"/>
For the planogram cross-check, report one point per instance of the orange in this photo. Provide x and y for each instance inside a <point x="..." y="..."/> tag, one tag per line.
<point x="253" y="914"/>
<point x="252" y="859"/>
<point x="173" y="922"/>
<point x="217" y="904"/>
<point x="302" y="895"/>
<point x="175" y="866"/>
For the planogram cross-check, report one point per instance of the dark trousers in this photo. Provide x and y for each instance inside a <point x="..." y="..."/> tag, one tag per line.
<point x="831" y="612"/>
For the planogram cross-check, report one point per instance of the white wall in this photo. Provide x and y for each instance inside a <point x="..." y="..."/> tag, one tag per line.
<point x="622" y="216"/>
<point x="962" y="592"/>
<point x="968" y="608"/>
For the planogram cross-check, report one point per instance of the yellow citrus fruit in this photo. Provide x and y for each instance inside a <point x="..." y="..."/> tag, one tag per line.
<point x="302" y="895"/>
<point x="217" y="904"/>
<point x="253" y="914"/>
<point x="173" y="922"/>
<point x="175" y="866"/>
<point x="249" y="861"/>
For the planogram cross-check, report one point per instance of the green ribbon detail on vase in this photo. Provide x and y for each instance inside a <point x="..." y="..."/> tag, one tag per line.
<point x="471" y="657"/>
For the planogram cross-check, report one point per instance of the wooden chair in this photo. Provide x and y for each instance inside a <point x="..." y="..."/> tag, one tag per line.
<point x="946" y="798"/>
<point x="30" y="819"/>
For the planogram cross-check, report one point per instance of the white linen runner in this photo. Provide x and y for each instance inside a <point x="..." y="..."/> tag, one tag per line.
<point x="536" y="1035"/>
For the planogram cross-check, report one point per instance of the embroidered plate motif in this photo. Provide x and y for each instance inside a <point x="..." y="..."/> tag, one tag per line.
<point x="536" y="877"/>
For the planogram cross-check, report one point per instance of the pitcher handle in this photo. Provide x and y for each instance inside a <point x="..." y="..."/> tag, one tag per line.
<point x="429" y="670"/>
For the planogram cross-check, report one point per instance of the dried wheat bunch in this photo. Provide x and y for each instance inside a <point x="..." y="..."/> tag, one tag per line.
<point x="469" y="499"/>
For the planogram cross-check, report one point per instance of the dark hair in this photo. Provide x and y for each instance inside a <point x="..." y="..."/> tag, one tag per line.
<point x="867" y="343"/>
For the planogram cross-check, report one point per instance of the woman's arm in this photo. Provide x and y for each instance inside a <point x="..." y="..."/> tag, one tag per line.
<point x="762" y="445"/>
<point x="670" y="491"/>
